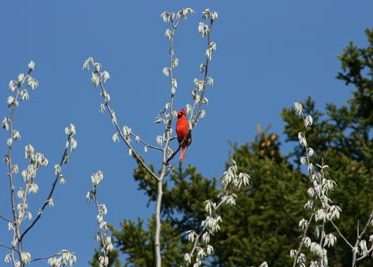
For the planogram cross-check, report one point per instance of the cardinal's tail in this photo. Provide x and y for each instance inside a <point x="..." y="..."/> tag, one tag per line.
<point x="182" y="154"/>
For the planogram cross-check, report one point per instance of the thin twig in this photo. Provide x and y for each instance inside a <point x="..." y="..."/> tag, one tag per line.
<point x="102" y="236"/>
<point x="358" y="239"/>
<point x="44" y="258"/>
<point x="146" y="143"/>
<point x="185" y="139"/>
<point x="364" y="256"/>
<point x="49" y="197"/>
<point x="367" y="224"/>
<point x="196" y="240"/>
<point x="124" y="139"/>
<point x="10" y="169"/>
<point x="7" y="247"/>
<point x="193" y="119"/>
<point x="341" y="235"/>
<point x="5" y="219"/>
<point x="302" y="242"/>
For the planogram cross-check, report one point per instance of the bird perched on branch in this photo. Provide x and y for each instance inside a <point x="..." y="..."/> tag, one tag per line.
<point x="184" y="135"/>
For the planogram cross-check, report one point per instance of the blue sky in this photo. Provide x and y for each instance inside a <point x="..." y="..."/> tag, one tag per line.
<point x="270" y="54"/>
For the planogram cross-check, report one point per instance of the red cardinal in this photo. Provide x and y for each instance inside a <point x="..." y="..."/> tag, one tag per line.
<point x="183" y="132"/>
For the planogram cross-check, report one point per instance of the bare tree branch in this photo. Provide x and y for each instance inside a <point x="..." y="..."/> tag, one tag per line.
<point x="341" y="235"/>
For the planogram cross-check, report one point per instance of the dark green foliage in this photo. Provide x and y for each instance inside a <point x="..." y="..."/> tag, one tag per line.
<point x="137" y="242"/>
<point x="357" y="69"/>
<point x="264" y="224"/>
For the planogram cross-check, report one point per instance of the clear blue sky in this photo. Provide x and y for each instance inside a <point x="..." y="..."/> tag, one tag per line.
<point x="270" y="54"/>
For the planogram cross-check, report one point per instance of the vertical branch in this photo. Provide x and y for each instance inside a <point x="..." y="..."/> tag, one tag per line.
<point x="158" y="223"/>
<point x="167" y="154"/>
<point x="102" y="235"/>
<point x="199" y="90"/>
<point x="318" y="203"/>
<point x="8" y="124"/>
<point x="200" y="85"/>
<point x="168" y="71"/>
<point x="305" y="231"/>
